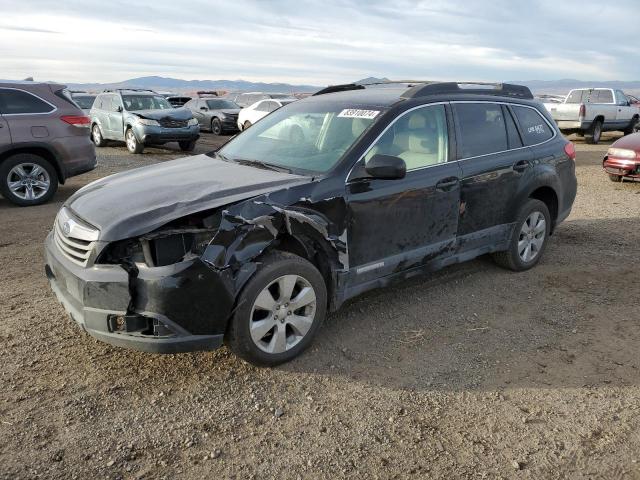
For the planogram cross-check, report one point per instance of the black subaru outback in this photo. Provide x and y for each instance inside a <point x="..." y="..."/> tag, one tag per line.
<point x="348" y="190"/>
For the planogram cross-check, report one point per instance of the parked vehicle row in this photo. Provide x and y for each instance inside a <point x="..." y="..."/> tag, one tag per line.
<point x="43" y="141"/>
<point x="325" y="198"/>
<point x="591" y="111"/>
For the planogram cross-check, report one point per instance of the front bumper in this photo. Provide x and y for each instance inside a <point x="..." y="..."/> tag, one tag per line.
<point x="156" y="135"/>
<point x="622" y="166"/>
<point x="189" y="302"/>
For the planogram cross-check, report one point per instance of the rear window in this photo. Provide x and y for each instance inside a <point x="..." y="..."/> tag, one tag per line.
<point x="14" y="102"/>
<point x="534" y="128"/>
<point x="482" y="129"/>
<point x="590" y="96"/>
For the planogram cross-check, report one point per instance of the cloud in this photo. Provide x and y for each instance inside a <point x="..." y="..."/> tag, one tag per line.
<point x="316" y="42"/>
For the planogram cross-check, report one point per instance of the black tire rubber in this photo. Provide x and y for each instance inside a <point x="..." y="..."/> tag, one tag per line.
<point x="187" y="146"/>
<point x="102" y="141"/>
<point x="632" y="126"/>
<point x="246" y="125"/>
<point x="594" y="133"/>
<point x="510" y="258"/>
<point x="12" y="161"/>
<point x="216" y="126"/>
<point x="615" y="178"/>
<point x="139" y="148"/>
<point x="274" y="265"/>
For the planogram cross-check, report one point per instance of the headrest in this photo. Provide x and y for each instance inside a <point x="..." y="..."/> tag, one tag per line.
<point x="358" y="126"/>
<point x="416" y="121"/>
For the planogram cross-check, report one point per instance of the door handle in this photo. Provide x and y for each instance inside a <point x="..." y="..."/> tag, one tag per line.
<point x="447" y="183"/>
<point x="521" y="166"/>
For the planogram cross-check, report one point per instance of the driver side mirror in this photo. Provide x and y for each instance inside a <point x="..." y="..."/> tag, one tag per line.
<point x="386" y="167"/>
<point x="204" y="109"/>
<point x="119" y="108"/>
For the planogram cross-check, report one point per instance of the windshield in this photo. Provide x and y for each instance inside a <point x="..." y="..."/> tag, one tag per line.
<point x="302" y="136"/>
<point x="217" y="104"/>
<point x="145" y="102"/>
<point x="279" y="95"/>
<point x="84" y="101"/>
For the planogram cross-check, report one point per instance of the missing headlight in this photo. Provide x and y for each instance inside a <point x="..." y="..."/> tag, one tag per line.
<point x="173" y="247"/>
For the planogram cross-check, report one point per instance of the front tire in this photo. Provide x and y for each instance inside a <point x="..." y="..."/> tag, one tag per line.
<point x="187" y="146"/>
<point x="615" y="178"/>
<point x="594" y="133"/>
<point x="133" y="145"/>
<point x="27" y="179"/>
<point x="632" y="126"/>
<point x="246" y="125"/>
<point x="216" y="126"/>
<point x="529" y="238"/>
<point x="279" y="311"/>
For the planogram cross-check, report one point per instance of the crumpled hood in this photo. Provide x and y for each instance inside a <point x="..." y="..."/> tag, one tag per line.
<point x="173" y="114"/>
<point x="138" y="201"/>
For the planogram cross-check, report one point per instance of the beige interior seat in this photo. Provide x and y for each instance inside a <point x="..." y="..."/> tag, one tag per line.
<point x="418" y="144"/>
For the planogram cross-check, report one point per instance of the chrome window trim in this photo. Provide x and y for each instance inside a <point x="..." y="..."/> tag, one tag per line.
<point x="33" y="95"/>
<point x="553" y="129"/>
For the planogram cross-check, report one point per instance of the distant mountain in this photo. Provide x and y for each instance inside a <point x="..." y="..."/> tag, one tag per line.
<point x="166" y="84"/>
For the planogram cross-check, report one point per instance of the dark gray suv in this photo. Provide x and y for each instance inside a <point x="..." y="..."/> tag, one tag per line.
<point x="43" y="141"/>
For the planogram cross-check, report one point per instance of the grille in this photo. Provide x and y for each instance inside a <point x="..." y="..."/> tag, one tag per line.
<point x="169" y="123"/>
<point x="77" y="245"/>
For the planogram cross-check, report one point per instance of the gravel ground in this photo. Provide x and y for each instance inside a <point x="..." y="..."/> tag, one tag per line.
<point x="473" y="372"/>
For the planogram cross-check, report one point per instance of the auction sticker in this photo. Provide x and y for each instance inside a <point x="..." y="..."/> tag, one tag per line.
<point x="357" y="113"/>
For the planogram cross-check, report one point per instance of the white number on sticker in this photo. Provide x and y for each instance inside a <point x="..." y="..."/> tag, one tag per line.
<point x="357" y="113"/>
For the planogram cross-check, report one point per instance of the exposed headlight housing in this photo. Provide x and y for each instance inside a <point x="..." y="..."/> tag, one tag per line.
<point x="621" y="153"/>
<point x="148" y="122"/>
<point x="193" y="122"/>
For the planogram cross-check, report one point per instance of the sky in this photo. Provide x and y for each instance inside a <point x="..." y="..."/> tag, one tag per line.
<point x="319" y="42"/>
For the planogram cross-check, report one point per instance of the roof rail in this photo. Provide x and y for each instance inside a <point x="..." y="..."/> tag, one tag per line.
<point x="207" y="92"/>
<point x="339" y="88"/>
<point x="129" y="90"/>
<point x="485" y="88"/>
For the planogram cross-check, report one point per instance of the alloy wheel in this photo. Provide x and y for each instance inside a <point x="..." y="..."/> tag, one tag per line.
<point x="97" y="136"/>
<point x="131" y="140"/>
<point x="282" y="314"/>
<point x="532" y="236"/>
<point x="28" y="181"/>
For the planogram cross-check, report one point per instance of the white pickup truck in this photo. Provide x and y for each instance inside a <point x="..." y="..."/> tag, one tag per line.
<point x="591" y="111"/>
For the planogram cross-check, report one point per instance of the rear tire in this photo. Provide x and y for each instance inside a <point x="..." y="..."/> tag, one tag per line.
<point x="96" y="136"/>
<point x="531" y="230"/>
<point x="595" y="132"/>
<point x="27" y="179"/>
<point x="187" y="146"/>
<point x="615" y="178"/>
<point x="246" y="125"/>
<point x="632" y="126"/>
<point x="216" y="126"/>
<point x="272" y="325"/>
<point x="133" y="145"/>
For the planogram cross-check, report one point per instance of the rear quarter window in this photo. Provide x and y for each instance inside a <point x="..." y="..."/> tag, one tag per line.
<point x="534" y="128"/>
<point x="14" y="102"/>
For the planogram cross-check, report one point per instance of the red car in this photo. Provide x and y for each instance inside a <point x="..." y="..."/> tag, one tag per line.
<point x="623" y="158"/>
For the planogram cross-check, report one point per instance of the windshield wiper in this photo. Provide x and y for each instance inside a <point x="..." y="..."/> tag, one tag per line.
<point x="259" y="164"/>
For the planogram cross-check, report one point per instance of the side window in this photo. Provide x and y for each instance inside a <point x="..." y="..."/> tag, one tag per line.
<point x="575" y="96"/>
<point x="271" y="106"/>
<point x="115" y="103"/>
<point x="419" y="137"/>
<point x="534" y="128"/>
<point x="621" y="98"/>
<point x="604" y="96"/>
<point x="14" y="102"/>
<point x="262" y="107"/>
<point x="513" y="137"/>
<point x="482" y="129"/>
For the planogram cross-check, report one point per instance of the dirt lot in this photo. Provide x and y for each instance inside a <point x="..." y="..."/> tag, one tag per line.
<point x="474" y="372"/>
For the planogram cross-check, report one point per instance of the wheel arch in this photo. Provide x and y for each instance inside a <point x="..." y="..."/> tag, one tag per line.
<point x="549" y="197"/>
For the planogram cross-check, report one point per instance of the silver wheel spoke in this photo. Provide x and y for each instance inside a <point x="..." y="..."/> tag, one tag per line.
<point x="265" y="300"/>
<point x="537" y="243"/>
<point x="28" y="192"/>
<point x="15" y="186"/>
<point x="42" y="185"/>
<point x="304" y="298"/>
<point x="540" y="227"/>
<point x="20" y="172"/>
<point x="527" y="252"/>
<point x="286" y="284"/>
<point x="522" y="244"/>
<point x="278" y="342"/>
<point x="35" y="171"/>
<point x="260" y="328"/>
<point x="300" y="324"/>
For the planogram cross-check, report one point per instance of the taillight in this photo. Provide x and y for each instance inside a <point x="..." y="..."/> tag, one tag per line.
<point x="570" y="150"/>
<point x="76" y="120"/>
<point x="583" y="111"/>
